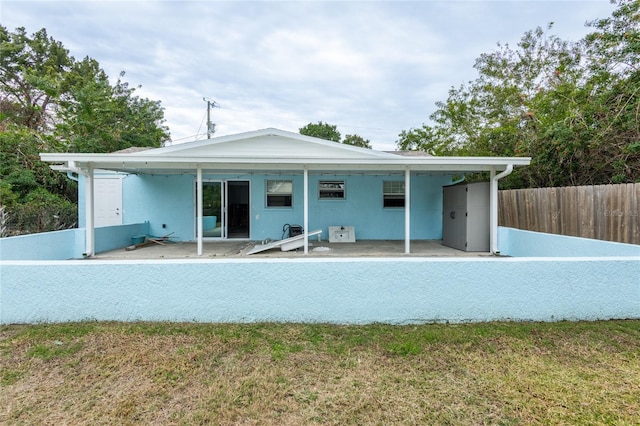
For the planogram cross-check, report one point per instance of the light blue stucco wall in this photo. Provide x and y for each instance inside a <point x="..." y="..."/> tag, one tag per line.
<point x="519" y="243"/>
<point x="170" y="200"/>
<point x="67" y="244"/>
<point x="160" y="200"/>
<point x="363" y="207"/>
<point x="115" y="237"/>
<point x="57" y="245"/>
<point x="345" y="291"/>
<point x="358" y="291"/>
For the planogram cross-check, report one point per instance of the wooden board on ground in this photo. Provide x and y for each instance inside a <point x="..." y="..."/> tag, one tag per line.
<point x="149" y="240"/>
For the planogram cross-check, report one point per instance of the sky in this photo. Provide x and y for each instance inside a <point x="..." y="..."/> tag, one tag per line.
<point x="371" y="68"/>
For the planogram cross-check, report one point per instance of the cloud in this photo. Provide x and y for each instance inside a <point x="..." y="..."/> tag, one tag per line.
<point x="372" y="68"/>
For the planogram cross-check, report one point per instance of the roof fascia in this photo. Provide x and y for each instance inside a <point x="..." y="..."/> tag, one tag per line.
<point x="139" y="162"/>
<point x="393" y="159"/>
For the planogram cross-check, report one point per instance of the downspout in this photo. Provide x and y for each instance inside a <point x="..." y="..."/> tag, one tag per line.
<point x="71" y="168"/>
<point x="493" y="197"/>
<point x="457" y="181"/>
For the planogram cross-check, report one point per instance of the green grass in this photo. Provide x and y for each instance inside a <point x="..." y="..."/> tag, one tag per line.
<point x="268" y="374"/>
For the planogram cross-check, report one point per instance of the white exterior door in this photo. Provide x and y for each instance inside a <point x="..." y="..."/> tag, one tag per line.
<point x="108" y="201"/>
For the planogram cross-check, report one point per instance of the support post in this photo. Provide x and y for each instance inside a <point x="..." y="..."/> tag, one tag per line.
<point x="306" y="210"/>
<point x="90" y="227"/>
<point x="407" y="211"/>
<point x="199" y="208"/>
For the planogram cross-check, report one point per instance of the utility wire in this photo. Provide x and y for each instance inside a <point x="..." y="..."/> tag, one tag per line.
<point x="200" y="128"/>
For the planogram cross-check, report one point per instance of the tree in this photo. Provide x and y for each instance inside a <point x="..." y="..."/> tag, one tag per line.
<point x="33" y="197"/>
<point x="427" y="139"/>
<point x="614" y="51"/>
<point x="614" y="46"/>
<point x="49" y="102"/>
<point x="572" y="107"/>
<point x="97" y="117"/>
<point x="330" y="132"/>
<point x="47" y="90"/>
<point x="321" y="130"/>
<point x="32" y="71"/>
<point x="356" y="140"/>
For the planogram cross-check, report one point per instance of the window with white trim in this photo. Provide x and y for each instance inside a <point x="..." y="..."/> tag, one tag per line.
<point x="279" y="193"/>
<point x="331" y="190"/>
<point x="393" y="193"/>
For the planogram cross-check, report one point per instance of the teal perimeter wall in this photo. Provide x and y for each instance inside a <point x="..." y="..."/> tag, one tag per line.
<point x="68" y="244"/>
<point x="519" y="243"/>
<point x="345" y="291"/>
<point x="579" y="280"/>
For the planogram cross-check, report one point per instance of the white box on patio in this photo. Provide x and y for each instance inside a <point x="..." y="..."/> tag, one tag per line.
<point x="342" y="234"/>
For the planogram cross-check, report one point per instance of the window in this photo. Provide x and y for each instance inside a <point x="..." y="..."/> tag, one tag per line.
<point x="331" y="190"/>
<point x="279" y="193"/>
<point x="393" y="193"/>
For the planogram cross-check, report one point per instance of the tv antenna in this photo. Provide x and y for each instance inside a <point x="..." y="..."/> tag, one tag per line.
<point x="211" y="127"/>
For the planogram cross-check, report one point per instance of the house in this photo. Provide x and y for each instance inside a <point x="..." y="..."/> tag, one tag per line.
<point x="254" y="185"/>
<point x="248" y="186"/>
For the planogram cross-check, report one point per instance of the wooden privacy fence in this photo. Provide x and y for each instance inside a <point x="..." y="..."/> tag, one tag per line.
<point x="603" y="212"/>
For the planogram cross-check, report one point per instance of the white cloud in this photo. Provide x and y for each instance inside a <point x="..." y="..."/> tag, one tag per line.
<point x="372" y="68"/>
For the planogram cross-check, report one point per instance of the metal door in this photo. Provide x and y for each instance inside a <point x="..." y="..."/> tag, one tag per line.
<point x="454" y="216"/>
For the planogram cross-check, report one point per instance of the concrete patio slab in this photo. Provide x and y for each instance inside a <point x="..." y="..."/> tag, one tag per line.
<point x="240" y="249"/>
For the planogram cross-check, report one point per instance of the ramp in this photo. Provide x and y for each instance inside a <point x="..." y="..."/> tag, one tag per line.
<point x="285" y="245"/>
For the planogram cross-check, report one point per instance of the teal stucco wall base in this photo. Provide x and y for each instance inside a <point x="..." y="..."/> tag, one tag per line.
<point x="519" y="243"/>
<point x="578" y="279"/>
<point x="345" y="291"/>
<point x="68" y="244"/>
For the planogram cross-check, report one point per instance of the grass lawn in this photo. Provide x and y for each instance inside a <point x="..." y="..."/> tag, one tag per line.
<point x="299" y="374"/>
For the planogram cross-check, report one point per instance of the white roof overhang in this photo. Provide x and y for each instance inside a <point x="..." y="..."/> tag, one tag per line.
<point x="271" y="150"/>
<point x="167" y="165"/>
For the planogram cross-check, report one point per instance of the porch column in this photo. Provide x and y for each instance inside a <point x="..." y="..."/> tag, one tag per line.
<point x="306" y="210"/>
<point x="407" y="211"/>
<point x="199" y="209"/>
<point x="90" y="232"/>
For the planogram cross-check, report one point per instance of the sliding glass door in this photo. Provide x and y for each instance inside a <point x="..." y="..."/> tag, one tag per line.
<point x="225" y="209"/>
<point x="212" y="209"/>
<point x="237" y="209"/>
